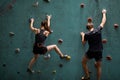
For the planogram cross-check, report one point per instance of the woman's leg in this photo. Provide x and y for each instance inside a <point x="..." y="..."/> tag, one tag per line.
<point x="57" y="50"/>
<point x="33" y="60"/>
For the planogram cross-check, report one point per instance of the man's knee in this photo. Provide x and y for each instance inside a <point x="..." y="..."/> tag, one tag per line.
<point x="98" y="64"/>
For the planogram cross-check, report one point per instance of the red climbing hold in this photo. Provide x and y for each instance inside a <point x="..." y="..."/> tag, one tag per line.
<point x="116" y="26"/>
<point x="104" y="41"/>
<point x="60" y="41"/>
<point x="89" y="20"/>
<point x="82" y="5"/>
<point x="108" y="57"/>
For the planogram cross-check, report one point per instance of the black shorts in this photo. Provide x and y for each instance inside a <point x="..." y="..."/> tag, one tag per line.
<point x="39" y="50"/>
<point x="97" y="55"/>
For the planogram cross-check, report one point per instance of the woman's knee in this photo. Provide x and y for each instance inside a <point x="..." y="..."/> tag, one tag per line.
<point x="36" y="56"/>
<point x="54" y="46"/>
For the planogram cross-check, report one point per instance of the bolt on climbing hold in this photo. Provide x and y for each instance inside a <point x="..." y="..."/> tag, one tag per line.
<point x="17" y="50"/>
<point x="82" y="5"/>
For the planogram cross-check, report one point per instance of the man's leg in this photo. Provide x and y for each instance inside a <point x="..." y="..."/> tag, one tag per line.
<point x="85" y="67"/>
<point x="98" y="67"/>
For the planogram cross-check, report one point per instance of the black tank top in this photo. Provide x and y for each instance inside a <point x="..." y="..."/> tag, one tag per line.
<point x="40" y="38"/>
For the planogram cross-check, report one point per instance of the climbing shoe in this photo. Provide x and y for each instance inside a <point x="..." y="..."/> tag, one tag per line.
<point x="31" y="71"/>
<point x="85" y="78"/>
<point x="65" y="57"/>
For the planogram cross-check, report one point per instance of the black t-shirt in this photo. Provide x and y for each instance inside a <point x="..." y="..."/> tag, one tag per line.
<point x="94" y="39"/>
<point x="40" y="37"/>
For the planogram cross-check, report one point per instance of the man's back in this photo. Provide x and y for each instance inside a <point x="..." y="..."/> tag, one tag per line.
<point x="94" y="39"/>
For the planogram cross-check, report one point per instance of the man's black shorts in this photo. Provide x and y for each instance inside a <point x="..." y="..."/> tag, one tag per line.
<point x="97" y="55"/>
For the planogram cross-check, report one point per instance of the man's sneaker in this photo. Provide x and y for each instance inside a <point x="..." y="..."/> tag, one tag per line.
<point x="31" y="71"/>
<point x="85" y="78"/>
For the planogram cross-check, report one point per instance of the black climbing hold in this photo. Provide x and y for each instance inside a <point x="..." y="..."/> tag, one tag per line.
<point x="47" y="1"/>
<point x="18" y="72"/>
<point x="60" y="65"/>
<point x="4" y="65"/>
<point x="17" y="50"/>
<point x="11" y="34"/>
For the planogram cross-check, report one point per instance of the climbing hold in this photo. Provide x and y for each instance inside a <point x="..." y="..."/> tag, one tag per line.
<point x="51" y="31"/>
<point x="38" y="71"/>
<point x="68" y="58"/>
<point x="116" y="26"/>
<point x="82" y="5"/>
<point x="17" y="50"/>
<point x="60" y="41"/>
<point x="18" y="72"/>
<point x="95" y="64"/>
<point x="60" y="65"/>
<point x="89" y="20"/>
<point x="4" y="65"/>
<point x="104" y="41"/>
<point x="30" y="70"/>
<point x="90" y="72"/>
<point x="54" y="71"/>
<point x="11" y="34"/>
<point x="46" y="57"/>
<point x="10" y="6"/>
<point x="108" y="57"/>
<point x="36" y="4"/>
<point x="47" y="0"/>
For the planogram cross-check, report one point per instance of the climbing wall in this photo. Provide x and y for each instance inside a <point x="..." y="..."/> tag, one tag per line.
<point x="69" y="18"/>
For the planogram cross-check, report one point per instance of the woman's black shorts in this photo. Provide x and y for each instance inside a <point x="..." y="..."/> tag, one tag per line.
<point x="39" y="50"/>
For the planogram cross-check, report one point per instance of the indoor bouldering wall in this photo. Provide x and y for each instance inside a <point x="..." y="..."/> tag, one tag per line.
<point x="69" y="18"/>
